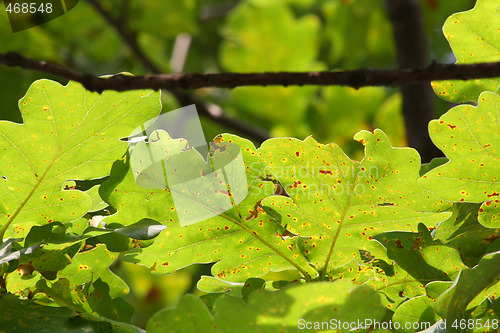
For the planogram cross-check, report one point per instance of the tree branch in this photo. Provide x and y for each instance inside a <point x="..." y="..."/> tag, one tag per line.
<point x="355" y="78"/>
<point x="418" y="98"/>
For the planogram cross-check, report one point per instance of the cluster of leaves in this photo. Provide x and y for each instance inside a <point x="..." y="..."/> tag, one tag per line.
<point x="331" y="34"/>
<point x="382" y="239"/>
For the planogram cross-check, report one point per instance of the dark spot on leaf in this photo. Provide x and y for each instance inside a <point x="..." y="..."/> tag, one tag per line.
<point x="491" y="239"/>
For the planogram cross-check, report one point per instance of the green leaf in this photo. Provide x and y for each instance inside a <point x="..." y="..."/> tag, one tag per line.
<point x="396" y="285"/>
<point x="85" y="268"/>
<point x="28" y="316"/>
<point x="435" y="162"/>
<point x="463" y="231"/>
<point x="6" y="253"/>
<point x="471" y="284"/>
<point x="472" y="41"/>
<point x="487" y="311"/>
<point x="191" y="315"/>
<point x="281" y="311"/>
<point x="43" y="260"/>
<point x="143" y="230"/>
<point x="102" y="303"/>
<point x="244" y="240"/>
<point x="68" y="133"/>
<point x="251" y="285"/>
<point x="468" y="136"/>
<point x="89" y="293"/>
<point x="92" y="301"/>
<point x="338" y="205"/>
<point x="393" y="284"/>
<point x="97" y="202"/>
<point x="435" y="288"/>
<point x="422" y="257"/>
<point x="132" y="202"/>
<point x="215" y="286"/>
<point x="416" y="310"/>
<point x="210" y="284"/>
<point x="54" y="233"/>
<point x="489" y="213"/>
<point x="58" y="237"/>
<point x="88" y="266"/>
<point x="288" y="309"/>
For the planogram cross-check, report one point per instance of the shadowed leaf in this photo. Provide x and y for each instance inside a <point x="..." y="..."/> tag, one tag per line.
<point x="471" y="285"/>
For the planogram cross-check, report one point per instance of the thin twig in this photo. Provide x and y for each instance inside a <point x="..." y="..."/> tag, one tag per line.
<point x="127" y="37"/>
<point x="354" y="78"/>
<point x="183" y="98"/>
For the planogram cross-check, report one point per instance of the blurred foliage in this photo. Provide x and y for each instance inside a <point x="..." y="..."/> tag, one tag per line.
<point x="240" y="36"/>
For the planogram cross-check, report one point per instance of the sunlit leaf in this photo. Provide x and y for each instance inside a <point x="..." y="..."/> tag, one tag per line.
<point x="282" y="311"/>
<point x="468" y="136"/>
<point x="299" y="305"/>
<point x="68" y="133"/>
<point x="91" y="265"/>
<point x="244" y="240"/>
<point x="472" y="41"/>
<point x="340" y="204"/>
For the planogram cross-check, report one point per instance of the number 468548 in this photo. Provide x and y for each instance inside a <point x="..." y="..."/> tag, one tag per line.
<point x="478" y="323"/>
<point x="25" y="8"/>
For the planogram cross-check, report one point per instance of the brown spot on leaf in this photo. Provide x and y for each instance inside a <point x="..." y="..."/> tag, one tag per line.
<point x="491" y="239"/>
<point x="416" y="243"/>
